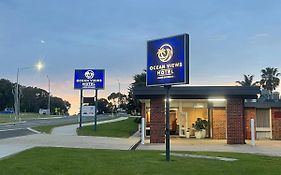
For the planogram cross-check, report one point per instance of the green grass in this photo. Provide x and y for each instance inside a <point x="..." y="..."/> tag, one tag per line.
<point x="58" y="161"/>
<point x="3" y="121"/>
<point x="7" y="118"/>
<point x="123" y="128"/>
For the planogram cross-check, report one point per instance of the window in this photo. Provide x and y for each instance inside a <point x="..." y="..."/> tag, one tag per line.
<point x="263" y="118"/>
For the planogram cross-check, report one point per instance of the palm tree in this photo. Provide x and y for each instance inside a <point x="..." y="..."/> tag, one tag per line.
<point x="248" y="81"/>
<point x="269" y="78"/>
<point x="112" y="97"/>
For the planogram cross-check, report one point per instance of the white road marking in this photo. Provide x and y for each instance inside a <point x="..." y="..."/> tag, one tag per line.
<point x="12" y="129"/>
<point x="33" y="130"/>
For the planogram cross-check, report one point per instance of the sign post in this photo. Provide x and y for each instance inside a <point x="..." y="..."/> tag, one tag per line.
<point x="167" y="65"/>
<point x="89" y="79"/>
<point x="167" y="87"/>
<point x="96" y="104"/>
<point x="81" y="103"/>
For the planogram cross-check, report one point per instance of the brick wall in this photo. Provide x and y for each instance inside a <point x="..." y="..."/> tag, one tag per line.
<point x="276" y="123"/>
<point x="235" y="121"/>
<point x="219" y="123"/>
<point x="249" y="113"/>
<point x="157" y="120"/>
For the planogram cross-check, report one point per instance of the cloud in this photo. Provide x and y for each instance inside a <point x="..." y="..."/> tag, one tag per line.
<point x="262" y="35"/>
<point x="218" y="37"/>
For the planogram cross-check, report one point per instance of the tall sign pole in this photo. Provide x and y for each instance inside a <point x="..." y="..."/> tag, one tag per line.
<point x="167" y="65"/>
<point x="90" y="79"/>
<point x="96" y="109"/>
<point x="167" y="87"/>
<point x="81" y="104"/>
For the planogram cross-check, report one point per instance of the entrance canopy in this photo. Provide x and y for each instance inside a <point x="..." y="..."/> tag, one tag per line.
<point x="198" y="92"/>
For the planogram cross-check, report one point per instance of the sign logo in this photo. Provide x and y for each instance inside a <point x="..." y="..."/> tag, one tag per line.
<point x="89" y="79"/>
<point x="89" y="74"/>
<point x="165" y="53"/>
<point x="167" y="61"/>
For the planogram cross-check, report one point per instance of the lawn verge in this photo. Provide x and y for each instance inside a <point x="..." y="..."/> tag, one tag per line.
<point x="124" y="129"/>
<point x="65" y="161"/>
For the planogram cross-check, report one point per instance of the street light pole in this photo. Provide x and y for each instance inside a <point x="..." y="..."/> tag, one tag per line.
<point x="17" y="103"/>
<point x="49" y="95"/>
<point x="38" y="66"/>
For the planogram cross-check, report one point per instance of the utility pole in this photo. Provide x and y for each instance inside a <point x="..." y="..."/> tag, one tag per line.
<point x="17" y="108"/>
<point x="49" y="95"/>
<point x="119" y="94"/>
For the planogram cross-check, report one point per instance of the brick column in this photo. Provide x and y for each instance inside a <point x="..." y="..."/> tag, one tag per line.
<point x="235" y="121"/>
<point x="157" y="120"/>
<point x="249" y="113"/>
<point x="276" y="123"/>
<point x="219" y="123"/>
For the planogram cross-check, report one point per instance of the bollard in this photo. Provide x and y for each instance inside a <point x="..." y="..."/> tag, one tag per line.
<point x="253" y="132"/>
<point x="142" y="130"/>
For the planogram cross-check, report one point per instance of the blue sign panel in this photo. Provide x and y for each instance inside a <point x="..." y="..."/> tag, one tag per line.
<point x="89" y="79"/>
<point x="167" y="61"/>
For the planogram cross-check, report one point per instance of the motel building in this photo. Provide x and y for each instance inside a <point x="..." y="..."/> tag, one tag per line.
<point x="227" y="110"/>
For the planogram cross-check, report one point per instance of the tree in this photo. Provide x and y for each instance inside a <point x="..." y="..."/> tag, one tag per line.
<point x="122" y="100"/>
<point x="6" y="95"/>
<point x="104" y="106"/>
<point x="113" y="97"/>
<point x="248" y="81"/>
<point x="118" y="100"/>
<point x="139" y="79"/>
<point x="134" y="104"/>
<point x="269" y="78"/>
<point x="32" y="98"/>
<point x="61" y="105"/>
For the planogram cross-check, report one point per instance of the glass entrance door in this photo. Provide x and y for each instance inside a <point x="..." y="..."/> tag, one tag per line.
<point x="173" y="122"/>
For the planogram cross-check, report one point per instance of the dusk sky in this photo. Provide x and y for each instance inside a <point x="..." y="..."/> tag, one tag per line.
<point x="227" y="39"/>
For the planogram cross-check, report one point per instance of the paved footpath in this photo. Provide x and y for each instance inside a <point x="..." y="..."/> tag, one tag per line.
<point x="66" y="137"/>
<point x="15" y="145"/>
<point x="262" y="147"/>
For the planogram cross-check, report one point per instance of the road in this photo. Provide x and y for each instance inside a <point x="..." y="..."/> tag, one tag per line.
<point x="23" y="128"/>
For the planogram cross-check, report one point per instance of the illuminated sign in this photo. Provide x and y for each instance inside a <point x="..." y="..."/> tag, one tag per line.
<point x="89" y="79"/>
<point x="167" y="61"/>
